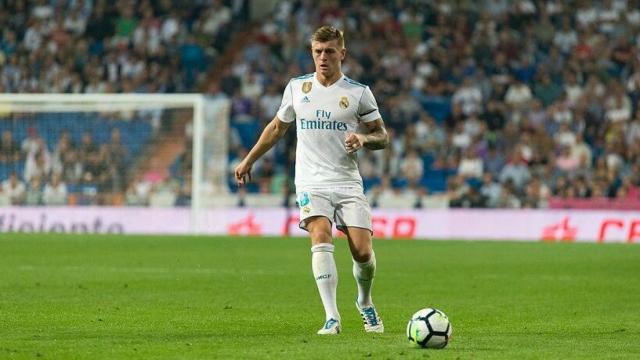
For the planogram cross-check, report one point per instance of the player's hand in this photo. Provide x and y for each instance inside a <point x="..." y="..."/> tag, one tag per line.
<point x="354" y="142"/>
<point x="243" y="172"/>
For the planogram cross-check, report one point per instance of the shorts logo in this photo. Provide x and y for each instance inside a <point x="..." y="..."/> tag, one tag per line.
<point x="344" y="102"/>
<point x="306" y="86"/>
<point x="304" y="200"/>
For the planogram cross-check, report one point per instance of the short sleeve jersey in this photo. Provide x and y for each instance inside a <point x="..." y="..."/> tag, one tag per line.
<point x="324" y="115"/>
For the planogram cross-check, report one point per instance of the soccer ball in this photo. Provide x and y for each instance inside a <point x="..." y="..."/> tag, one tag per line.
<point x="429" y="328"/>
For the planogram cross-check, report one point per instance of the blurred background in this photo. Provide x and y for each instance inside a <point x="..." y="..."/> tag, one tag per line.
<point x="490" y="104"/>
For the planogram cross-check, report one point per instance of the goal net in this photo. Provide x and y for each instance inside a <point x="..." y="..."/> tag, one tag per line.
<point x="117" y="150"/>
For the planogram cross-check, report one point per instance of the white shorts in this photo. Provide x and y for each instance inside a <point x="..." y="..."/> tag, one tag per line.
<point x="347" y="207"/>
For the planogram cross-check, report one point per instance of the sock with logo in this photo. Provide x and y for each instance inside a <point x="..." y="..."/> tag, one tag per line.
<point x="364" y="273"/>
<point x="326" y="275"/>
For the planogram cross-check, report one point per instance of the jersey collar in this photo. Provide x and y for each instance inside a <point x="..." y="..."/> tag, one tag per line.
<point x="315" y="80"/>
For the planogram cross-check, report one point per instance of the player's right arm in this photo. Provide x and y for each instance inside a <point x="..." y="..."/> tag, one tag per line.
<point x="270" y="135"/>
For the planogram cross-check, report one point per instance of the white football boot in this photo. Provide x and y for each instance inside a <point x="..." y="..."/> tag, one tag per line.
<point x="372" y="322"/>
<point x="331" y="327"/>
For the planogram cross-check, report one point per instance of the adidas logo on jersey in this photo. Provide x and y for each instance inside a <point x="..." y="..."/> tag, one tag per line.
<point x="305" y="100"/>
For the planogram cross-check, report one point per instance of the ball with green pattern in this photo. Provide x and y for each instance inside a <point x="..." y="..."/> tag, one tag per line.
<point x="429" y="328"/>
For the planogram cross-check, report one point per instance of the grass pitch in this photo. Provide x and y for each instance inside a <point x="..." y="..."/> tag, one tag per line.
<point x="133" y="297"/>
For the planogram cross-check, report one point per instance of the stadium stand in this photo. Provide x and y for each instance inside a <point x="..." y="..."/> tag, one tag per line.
<point x="491" y="103"/>
<point x="506" y="103"/>
<point x="102" y="47"/>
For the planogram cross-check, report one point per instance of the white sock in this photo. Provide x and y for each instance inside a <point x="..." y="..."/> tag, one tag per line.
<point x="326" y="275"/>
<point x="364" y="273"/>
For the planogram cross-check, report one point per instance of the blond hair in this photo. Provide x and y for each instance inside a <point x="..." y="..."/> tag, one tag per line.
<point x="328" y="33"/>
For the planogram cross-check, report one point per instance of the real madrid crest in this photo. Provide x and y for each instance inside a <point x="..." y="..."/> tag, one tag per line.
<point x="344" y="102"/>
<point x="306" y="86"/>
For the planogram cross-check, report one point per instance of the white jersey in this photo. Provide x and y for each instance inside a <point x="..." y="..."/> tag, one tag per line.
<point x="324" y="116"/>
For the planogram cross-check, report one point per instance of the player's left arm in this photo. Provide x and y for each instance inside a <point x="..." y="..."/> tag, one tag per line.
<point x="376" y="137"/>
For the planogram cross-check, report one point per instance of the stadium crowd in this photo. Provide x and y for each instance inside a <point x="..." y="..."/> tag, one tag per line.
<point x="492" y="103"/>
<point x="75" y="46"/>
<point x="98" y="46"/>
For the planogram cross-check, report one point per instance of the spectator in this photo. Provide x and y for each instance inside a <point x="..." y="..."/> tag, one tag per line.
<point x="8" y="43"/>
<point x="471" y="165"/>
<point x="536" y="194"/>
<point x="163" y="194"/>
<point x="581" y="151"/>
<point x="33" y="193"/>
<point x="581" y="187"/>
<point x="214" y="18"/>
<point x="75" y="23"/>
<point x="632" y="130"/>
<point x="412" y="167"/>
<point x="95" y="171"/>
<point x="34" y="35"/>
<point x="242" y="108"/>
<point x="192" y="58"/>
<point x="32" y="143"/>
<point x="116" y="151"/>
<point x="493" y="161"/>
<point x="270" y="102"/>
<point x="87" y="148"/>
<point x="388" y="162"/>
<point x="546" y="90"/>
<point x="494" y="116"/>
<point x="468" y="96"/>
<point x="515" y="171"/>
<point x="38" y="165"/>
<point x="572" y="88"/>
<point x="146" y="36"/>
<point x="565" y="161"/>
<point x="63" y="147"/>
<point x="185" y="187"/>
<point x="490" y="189"/>
<point x="138" y="192"/>
<point x="564" y="136"/>
<point x="460" y="138"/>
<point x="125" y="25"/>
<point x="429" y="136"/>
<point x="508" y="198"/>
<point x="608" y="17"/>
<point x="386" y="196"/>
<point x="618" y="105"/>
<point x="55" y="192"/>
<point x="5" y="198"/>
<point x="9" y="149"/>
<point x="566" y="38"/>
<point x="518" y="95"/>
<point x="14" y="189"/>
<point x="72" y="168"/>
<point x="472" y="198"/>
<point x="251" y="86"/>
<point x="155" y="173"/>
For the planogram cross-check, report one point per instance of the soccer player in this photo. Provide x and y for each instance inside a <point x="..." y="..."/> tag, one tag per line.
<point x="328" y="107"/>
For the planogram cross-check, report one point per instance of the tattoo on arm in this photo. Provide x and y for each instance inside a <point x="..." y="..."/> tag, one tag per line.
<point x="377" y="138"/>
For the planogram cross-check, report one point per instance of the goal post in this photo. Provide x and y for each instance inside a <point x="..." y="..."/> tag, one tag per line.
<point x="206" y="117"/>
